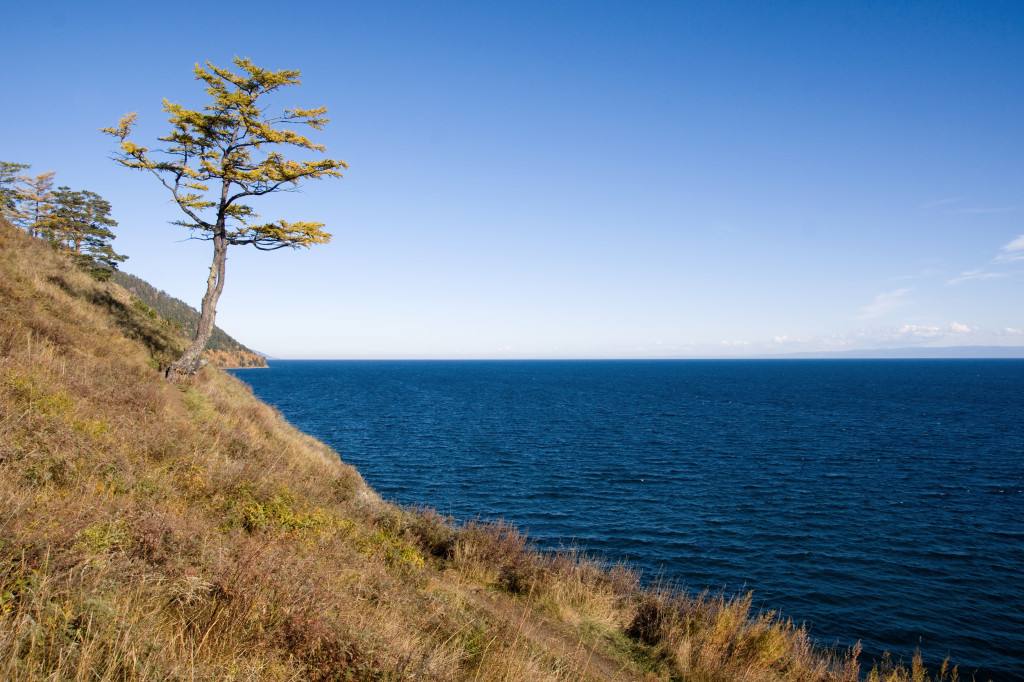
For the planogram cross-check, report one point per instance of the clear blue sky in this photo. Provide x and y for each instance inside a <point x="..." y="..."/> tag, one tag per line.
<point x="576" y="179"/>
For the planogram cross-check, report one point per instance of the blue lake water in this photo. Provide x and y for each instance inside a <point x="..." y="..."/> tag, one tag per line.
<point x="874" y="500"/>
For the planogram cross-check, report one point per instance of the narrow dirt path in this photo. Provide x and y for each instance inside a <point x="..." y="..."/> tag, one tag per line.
<point x="174" y="402"/>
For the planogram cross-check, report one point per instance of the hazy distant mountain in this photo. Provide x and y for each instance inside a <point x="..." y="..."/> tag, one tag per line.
<point x="950" y="352"/>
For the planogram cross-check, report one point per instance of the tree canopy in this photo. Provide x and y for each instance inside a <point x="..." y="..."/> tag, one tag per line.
<point x="75" y="221"/>
<point x="80" y="223"/>
<point x="35" y="202"/>
<point x="8" y="186"/>
<point x="215" y="160"/>
<point x="218" y="158"/>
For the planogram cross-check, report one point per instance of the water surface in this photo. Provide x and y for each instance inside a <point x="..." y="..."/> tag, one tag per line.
<point x="875" y="500"/>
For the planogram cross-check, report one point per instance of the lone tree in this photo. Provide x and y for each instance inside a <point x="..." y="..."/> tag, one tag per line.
<point x="216" y="159"/>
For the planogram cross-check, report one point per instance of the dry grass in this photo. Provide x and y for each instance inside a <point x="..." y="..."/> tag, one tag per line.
<point x="152" y="532"/>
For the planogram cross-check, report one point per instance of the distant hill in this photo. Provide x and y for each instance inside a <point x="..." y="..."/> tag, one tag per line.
<point x="948" y="353"/>
<point x="222" y="350"/>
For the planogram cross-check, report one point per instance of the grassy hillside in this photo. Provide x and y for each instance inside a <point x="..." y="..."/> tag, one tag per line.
<point x="221" y="350"/>
<point x="155" y="532"/>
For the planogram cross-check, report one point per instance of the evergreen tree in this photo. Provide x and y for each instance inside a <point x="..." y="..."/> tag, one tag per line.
<point x="80" y="223"/>
<point x="35" y="202"/>
<point x="219" y="157"/>
<point x="9" y="194"/>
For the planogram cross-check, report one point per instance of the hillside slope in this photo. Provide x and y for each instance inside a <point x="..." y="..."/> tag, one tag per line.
<point x="221" y="350"/>
<point x="155" y="532"/>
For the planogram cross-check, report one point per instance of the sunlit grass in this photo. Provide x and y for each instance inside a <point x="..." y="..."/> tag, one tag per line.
<point x="155" y="532"/>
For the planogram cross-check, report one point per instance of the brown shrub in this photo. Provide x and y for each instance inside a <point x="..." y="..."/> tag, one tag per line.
<point x="150" y="532"/>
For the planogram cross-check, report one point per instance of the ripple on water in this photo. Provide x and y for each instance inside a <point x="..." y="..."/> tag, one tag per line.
<point x="878" y="501"/>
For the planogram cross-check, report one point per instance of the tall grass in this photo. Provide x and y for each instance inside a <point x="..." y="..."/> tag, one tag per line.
<point x="154" y="532"/>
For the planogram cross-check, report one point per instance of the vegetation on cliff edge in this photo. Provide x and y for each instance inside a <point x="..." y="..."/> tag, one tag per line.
<point x="222" y="350"/>
<point x="153" y="531"/>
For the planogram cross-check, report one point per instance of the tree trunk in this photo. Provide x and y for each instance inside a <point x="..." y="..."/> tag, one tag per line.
<point x="192" y="359"/>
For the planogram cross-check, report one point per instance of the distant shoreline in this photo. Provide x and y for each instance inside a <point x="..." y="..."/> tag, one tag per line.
<point x="1012" y="353"/>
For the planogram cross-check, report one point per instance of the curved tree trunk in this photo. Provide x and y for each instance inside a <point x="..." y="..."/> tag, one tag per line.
<point x="192" y="359"/>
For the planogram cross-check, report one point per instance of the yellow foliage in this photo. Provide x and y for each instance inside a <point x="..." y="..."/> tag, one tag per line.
<point x="225" y="153"/>
<point x="206" y="538"/>
<point x="104" y="535"/>
<point x="395" y="551"/>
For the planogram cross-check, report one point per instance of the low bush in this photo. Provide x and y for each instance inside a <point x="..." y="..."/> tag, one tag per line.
<point x="149" y="532"/>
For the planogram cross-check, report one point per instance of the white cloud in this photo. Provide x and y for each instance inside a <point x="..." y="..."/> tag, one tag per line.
<point x="931" y="332"/>
<point x="1001" y="209"/>
<point x="976" y="274"/>
<point x="934" y="335"/>
<point x="884" y="304"/>
<point x="942" y="202"/>
<point x="931" y="272"/>
<point x="918" y="330"/>
<point x="1012" y="251"/>
<point x="1016" y="245"/>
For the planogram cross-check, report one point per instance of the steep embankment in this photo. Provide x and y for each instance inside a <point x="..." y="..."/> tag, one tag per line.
<point x="155" y="532"/>
<point x="221" y="350"/>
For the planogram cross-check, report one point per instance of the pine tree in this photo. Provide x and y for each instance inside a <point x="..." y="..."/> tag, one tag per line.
<point x="219" y="157"/>
<point x="9" y="194"/>
<point x="80" y="223"/>
<point x="35" y="202"/>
